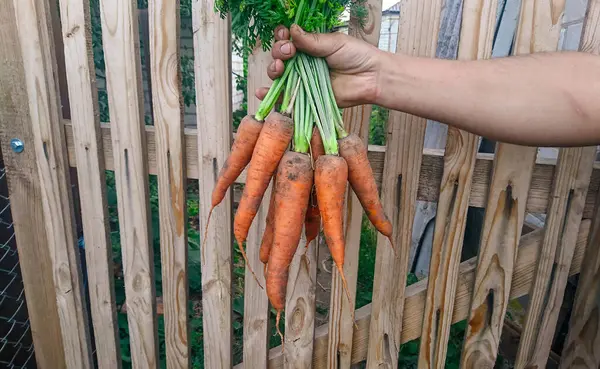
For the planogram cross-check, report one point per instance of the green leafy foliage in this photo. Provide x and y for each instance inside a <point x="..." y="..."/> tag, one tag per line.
<point x="379" y="118"/>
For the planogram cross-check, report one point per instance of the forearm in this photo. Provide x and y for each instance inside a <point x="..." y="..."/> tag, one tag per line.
<point x="539" y="100"/>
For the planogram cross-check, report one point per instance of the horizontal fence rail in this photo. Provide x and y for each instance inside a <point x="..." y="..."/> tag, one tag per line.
<point x="47" y="51"/>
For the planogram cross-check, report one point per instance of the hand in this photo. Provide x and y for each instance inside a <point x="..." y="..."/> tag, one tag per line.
<point x="354" y="64"/>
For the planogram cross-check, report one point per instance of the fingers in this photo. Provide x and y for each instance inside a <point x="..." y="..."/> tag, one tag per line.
<point x="283" y="50"/>
<point x="316" y="44"/>
<point x="282" y="33"/>
<point x="261" y="92"/>
<point x="275" y="69"/>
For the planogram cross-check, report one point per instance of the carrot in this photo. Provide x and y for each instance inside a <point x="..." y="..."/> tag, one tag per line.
<point x="272" y="143"/>
<point x="267" y="239"/>
<point x="312" y="223"/>
<point x="294" y="182"/>
<point x="239" y="157"/>
<point x="331" y="176"/>
<point x="317" y="148"/>
<point x="360" y="176"/>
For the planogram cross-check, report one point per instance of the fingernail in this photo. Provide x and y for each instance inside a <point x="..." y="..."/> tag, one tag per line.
<point x="272" y="67"/>
<point x="281" y="33"/>
<point x="286" y="48"/>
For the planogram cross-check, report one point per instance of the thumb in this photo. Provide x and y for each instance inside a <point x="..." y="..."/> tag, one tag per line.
<point x="319" y="45"/>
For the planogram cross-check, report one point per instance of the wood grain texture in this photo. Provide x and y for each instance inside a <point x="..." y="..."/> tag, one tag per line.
<point x="256" y="309"/>
<point x="582" y="346"/>
<point x="25" y="199"/>
<point x="121" y="52"/>
<point x="356" y="120"/>
<point x="432" y="168"/>
<point x="562" y="224"/>
<point x="33" y="21"/>
<point x="501" y="232"/>
<point x="538" y="31"/>
<point x="416" y="296"/>
<point x="476" y="42"/>
<point x="212" y="50"/>
<point x="168" y="119"/>
<point x="82" y="90"/>
<point x="418" y="30"/>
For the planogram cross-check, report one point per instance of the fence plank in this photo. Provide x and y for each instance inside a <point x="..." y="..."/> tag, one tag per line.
<point x="256" y="309"/>
<point x="37" y="47"/>
<point x="479" y="18"/>
<point x="356" y="120"/>
<point x="26" y="198"/>
<point x="212" y="50"/>
<point x="416" y="295"/>
<point x="419" y="27"/>
<point x="81" y="78"/>
<point x="168" y="120"/>
<point x="573" y="174"/>
<point x="538" y="31"/>
<point x="124" y="86"/>
<point x="582" y="346"/>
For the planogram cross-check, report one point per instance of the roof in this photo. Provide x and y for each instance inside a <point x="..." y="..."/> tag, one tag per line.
<point x="393" y="9"/>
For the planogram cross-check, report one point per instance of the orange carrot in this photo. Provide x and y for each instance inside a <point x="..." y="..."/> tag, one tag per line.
<point x="239" y="157"/>
<point x="360" y="176"/>
<point x="317" y="148"/>
<point x="267" y="239"/>
<point x="331" y="177"/>
<point x="312" y="223"/>
<point x="272" y="143"/>
<point x="294" y="182"/>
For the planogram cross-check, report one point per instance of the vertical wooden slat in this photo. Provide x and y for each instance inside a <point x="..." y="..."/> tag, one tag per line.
<point x="121" y="52"/>
<point x="419" y="27"/>
<point x="539" y="28"/>
<point x="37" y="47"/>
<point x="212" y="50"/>
<point x="476" y="42"/>
<point x="571" y="182"/>
<point x="89" y="151"/>
<point x="168" y="120"/>
<point x="582" y="346"/>
<point x="356" y="120"/>
<point x="300" y="307"/>
<point x="256" y="308"/>
<point x="26" y="199"/>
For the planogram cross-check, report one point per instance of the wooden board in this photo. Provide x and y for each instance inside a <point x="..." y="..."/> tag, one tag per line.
<point x="476" y="42"/>
<point x="25" y="199"/>
<point x="212" y="51"/>
<point x="562" y="225"/>
<point x="416" y="295"/>
<point x="33" y="21"/>
<point x="124" y="87"/>
<point x="82" y="90"/>
<point x="538" y="31"/>
<point x="356" y="120"/>
<point x="419" y="27"/>
<point x="167" y="111"/>
<point x="256" y="309"/>
<point x="432" y="169"/>
<point x="582" y="346"/>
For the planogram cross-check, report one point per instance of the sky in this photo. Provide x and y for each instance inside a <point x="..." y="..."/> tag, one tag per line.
<point x="388" y="3"/>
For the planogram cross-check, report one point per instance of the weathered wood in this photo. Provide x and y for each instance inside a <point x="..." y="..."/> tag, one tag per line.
<point x="26" y="199"/>
<point x="167" y="103"/>
<point x="476" y="42"/>
<point x="81" y="77"/>
<point x="538" y="31"/>
<point x="124" y="86"/>
<point x="416" y="296"/>
<point x="582" y="346"/>
<point x="212" y="50"/>
<point x="419" y="27"/>
<point x="256" y="309"/>
<point x="37" y="47"/>
<point x="571" y="183"/>
<point x="356" y="120"/>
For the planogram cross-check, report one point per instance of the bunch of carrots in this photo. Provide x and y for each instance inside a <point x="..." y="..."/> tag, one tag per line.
<point x="303" y="148"/>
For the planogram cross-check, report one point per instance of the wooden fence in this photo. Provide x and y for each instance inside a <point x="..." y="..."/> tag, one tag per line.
<point x="508" y="184"/>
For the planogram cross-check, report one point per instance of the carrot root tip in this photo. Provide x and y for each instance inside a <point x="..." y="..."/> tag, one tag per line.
<point x="241" y="247"/>
<point x="393" y="247"/>
<point x="203" y="246"/>
<point x="277" y="321"/>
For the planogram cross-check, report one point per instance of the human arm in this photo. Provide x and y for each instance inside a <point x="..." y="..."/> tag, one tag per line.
<point x="548" y="99"/>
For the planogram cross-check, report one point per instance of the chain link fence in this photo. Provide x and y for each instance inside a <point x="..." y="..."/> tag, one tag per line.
<point x="16" y="345"/>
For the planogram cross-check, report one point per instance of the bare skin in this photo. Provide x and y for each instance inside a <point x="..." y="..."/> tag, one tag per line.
<point x="548" y="99"/>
